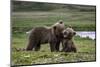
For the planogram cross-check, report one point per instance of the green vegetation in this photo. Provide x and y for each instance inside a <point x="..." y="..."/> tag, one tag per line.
<point x="26" y="15"/>
<point x="24" y="21"/>
<point x="86" y="52"/>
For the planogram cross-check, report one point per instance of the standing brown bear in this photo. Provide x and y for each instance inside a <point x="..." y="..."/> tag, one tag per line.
<point x="68" y="43"/>
<point x="42" y="35"/>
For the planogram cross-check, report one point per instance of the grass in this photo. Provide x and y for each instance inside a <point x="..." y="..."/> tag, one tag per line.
<point x="86" y="52"/>
<point x="27" y="20"/>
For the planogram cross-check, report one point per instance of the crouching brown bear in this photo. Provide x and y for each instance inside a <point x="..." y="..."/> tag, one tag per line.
<point x="67" y="42"/>
<point x="42" y="35"/>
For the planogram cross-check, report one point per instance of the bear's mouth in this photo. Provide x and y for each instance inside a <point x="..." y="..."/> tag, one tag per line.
<point x="67" y="36"/>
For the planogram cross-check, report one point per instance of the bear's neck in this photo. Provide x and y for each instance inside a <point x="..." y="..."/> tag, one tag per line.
<point x="67" y="39"/>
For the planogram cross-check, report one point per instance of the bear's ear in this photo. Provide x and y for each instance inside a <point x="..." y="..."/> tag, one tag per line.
<point x="74" y="33"/>
<point x="60" y="21"/>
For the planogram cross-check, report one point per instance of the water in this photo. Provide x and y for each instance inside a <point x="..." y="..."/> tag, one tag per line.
<point x="84" y="34"/>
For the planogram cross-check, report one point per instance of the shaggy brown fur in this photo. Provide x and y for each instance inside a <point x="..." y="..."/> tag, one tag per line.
<point x="41" y="35"/>
<point x="68" y="43"/>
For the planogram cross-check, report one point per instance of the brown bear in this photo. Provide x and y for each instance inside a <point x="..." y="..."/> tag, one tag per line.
<point x="41" y="35"/>
<point x="67" y="42"/>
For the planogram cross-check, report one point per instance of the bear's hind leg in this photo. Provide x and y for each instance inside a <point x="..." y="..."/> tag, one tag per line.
<point x="37" y="47"/>
<point x="30" y="47"/>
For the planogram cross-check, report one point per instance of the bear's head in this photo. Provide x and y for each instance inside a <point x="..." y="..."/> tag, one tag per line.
<point x="68" y="33"/>
<point x="58" y="27"/>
